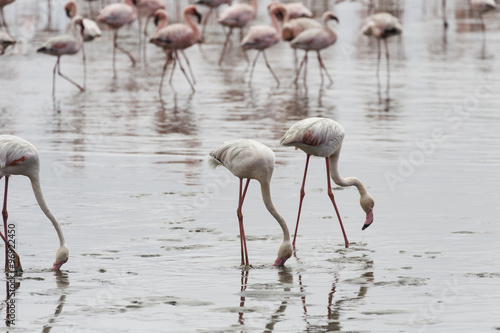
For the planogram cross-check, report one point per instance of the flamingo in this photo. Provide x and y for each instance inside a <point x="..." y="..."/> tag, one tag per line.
<point x="316" y="39"/>
<point x="91" y="29"/>
<point x="482" y="7"/>
<point x="3" y="3"/>
<point x="5" y="41"/>
<point x="177" y="37"/>
<point x="19" y="157"/>
<point x="116" y="15"/>
<point x="293" y="27"/>
<point x="236" y="16"/>
<point x="323" y="137"/>
<point x="382" y="26"/>
<point x="261" y="37"/>
<point x="252" y="160"/>
<point x="214" y="6"/>
<point x="65" y="44"/>
<point x="295" y="9"/>
<point x="147" y="8"/>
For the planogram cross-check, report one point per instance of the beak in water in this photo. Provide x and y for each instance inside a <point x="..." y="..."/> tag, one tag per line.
<point x="369" y="219"/>
<point x="57" y="265"/>
<point x="280" y="261"/>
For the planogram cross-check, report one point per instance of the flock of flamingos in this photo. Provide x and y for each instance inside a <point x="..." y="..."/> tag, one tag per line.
<point x="246" y="159"/>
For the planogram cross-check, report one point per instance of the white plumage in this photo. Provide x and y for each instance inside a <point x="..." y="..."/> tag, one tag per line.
<point x="19" y="157"/>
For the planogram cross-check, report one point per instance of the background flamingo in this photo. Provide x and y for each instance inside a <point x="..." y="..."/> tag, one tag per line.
<point x="19" y="157"/>
<point x="116" y="15"/>
<point x="482" y="7"/>
<point x="236" y="16"/>
<point x="214" y="6"/>
<point x="382" y="26"/>
<point x="3" y="3"/>
<point x="5" y="41"/>
<point x="90" y="29"/>
<point x="65" y="44"/>
<point x="146" y="9"/>
<point x="295" y="9"/>
<point x="293" y="27"/>
<point x="315" y="39"/>
<point x="177" y="37"/>
<point x="252" y="160"/>
<point x="261" y="37"/>
<point x="323" y="137"/>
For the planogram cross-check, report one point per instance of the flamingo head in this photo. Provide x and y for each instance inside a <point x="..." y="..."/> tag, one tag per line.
<point x="278" y="10"/>
<point x="70" y="8"/>
<point x="191" y="10"/>
<point x="159" y="15"/>
<point x="367" y="204"/>
<point x="285" y="251"/>
<point x="329" y="16"/>
<point x="62" y="256"/>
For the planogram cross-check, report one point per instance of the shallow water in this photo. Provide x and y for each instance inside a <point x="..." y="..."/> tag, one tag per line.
<point x="153" y="232"/>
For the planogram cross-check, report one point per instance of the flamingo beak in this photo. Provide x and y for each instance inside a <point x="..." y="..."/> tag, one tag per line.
<point x="369" y="219"/>
<point x="280" y="261"/>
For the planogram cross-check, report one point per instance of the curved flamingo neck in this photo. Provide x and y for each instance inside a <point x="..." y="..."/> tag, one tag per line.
<point x="276" y="23"/>
<point x="266" y="197"/>
<point x="193" y="26"/>
<point x="163" y="22"/>
<point x="254" y="6"/>
<point x="344" y="182"/>
<point x="37" y="190"/>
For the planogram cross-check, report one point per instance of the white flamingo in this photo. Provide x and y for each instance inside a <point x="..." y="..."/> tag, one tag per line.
<point x="252" y="160"/>
<point x="19" y="157"/>
<point x="323" y="137"/>
<point x="262" y="37"/>
<point x="316" y="39"/>
<point x="382" y="26"/>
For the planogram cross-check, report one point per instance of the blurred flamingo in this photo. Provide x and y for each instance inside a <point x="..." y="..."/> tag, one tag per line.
<point x="482" y="7"/>
<point x="65" y="44"/>
<point x="236" y="16"/>
<point x="4" y="3"/>
<point x="295" y="9"/>
<point x="252" y="160"/>
<point x="147" y="8"/>
<point x="323" y="137"/>
<point x="91" y="29"/>
<point x="261" y="37"/>
<point x="293" y="27"/>
<point x="316" y="39"/>
<point x="115" y="16"/>
<point x="382" y="26"/>
<point x="177" y="37"/>
<point x="214" y="6"/>
<point x="19" y="157"/>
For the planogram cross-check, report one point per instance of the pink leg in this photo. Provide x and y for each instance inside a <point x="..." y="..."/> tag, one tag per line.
<point x="228" y="36"/>
<point x="300" y="68"/>
<point x="244" y="252"/>
<point x="330" y="194"/>
<point x="167" y="61"/>
<point x="302" y="194"/>
<point x="5" y="215"/>
<point x="253" y="66"/>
